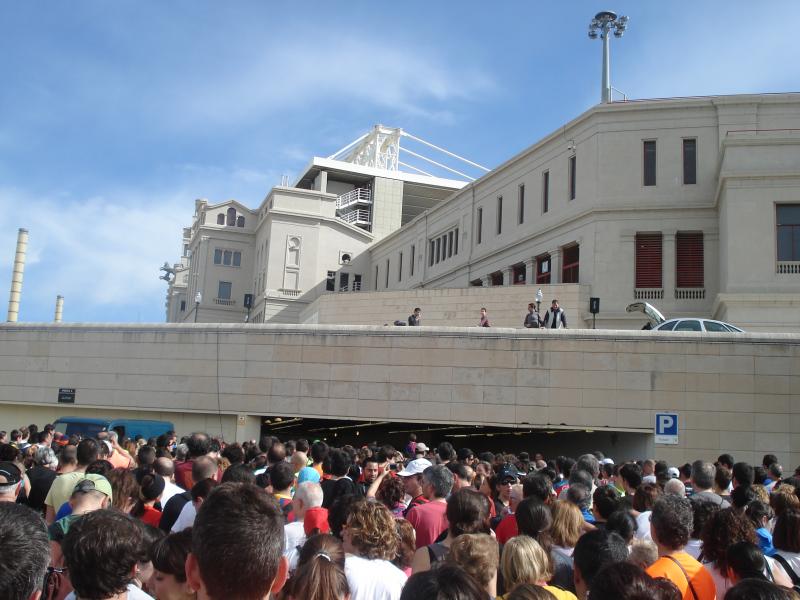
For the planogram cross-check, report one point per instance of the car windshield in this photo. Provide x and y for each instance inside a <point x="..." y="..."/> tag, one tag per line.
<point x="688" y="325"/>
<point x="81" y="429"/>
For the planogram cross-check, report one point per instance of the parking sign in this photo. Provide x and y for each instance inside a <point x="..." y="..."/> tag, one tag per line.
<point x="666" y="428"/>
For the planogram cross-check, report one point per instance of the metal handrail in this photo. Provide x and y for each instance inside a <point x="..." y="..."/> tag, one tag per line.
<point x="355" y="196"/>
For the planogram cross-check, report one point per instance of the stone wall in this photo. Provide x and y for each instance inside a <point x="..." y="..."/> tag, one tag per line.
<point x="733" y="393"/>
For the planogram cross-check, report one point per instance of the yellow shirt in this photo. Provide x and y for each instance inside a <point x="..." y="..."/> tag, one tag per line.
<point x="556" y="591"/>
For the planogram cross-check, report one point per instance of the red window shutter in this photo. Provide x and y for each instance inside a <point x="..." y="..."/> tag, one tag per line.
<point x="570" y="269"/>
<point x="648" y="260"/>
<point x="689" y="260"/>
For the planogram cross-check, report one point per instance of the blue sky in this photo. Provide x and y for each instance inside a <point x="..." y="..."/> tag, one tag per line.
<point x="115" y="116"/>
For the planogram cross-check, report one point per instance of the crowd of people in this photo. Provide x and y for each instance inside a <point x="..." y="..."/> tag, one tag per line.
<point x="173" y="518"/>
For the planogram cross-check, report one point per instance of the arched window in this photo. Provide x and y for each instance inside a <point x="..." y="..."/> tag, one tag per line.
<point x="240" y="221"/>
<point x="220" y="219"/>
<point x="293" y="258"/>
<point x="231" y="216"/>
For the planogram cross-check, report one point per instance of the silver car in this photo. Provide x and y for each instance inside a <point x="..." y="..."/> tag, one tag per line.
<point x="659" y="323"/>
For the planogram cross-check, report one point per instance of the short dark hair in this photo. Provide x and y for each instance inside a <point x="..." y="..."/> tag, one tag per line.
<point x="443" y="581"/>
<point x="606" y="500"/>
<point x="319" y="451"/>
<point x="757" y="589"/>
<point x="281" y="476"/>
<point x="743" y="473"/>
<point x="746" y="560"/>
<point x="722" y="477"/>
<point x="596" y="549"/>
<point x="726" y="460"/>
<point x="537" y="485"/>
<point x="239" y="528"/>
<point x="621" y="580"/>
<point x="146" y="456"/>
<point x="170" y="552"/>
<point x="579" y="495"/>
<point x="25" y="554"/>
<point x="339" y="463"/>
<point x="445" y="451"/>
<point x="100" y="550"/>
<point x="467" y="512"/>
<point x="768" y="460"/>
<point x="534" y="519"/>
<point x="623" y="523"/>
<point x="672" y="520"/>
<point x="631" y="473"/>
<point x="198" y="445"/>
<point x="742" y="496"/>
<point x="239" y="473"/>
<point x="234" y="453"/>
<point x="458" y="469"/>
<point x="88" y="451"/>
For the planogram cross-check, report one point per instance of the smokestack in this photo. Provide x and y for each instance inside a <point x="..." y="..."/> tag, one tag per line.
<point x="59" y="308"/>
<point x="16" y="276"/>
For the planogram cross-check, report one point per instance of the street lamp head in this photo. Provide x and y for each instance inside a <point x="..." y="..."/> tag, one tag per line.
<point x="592" y="34"/>
<point x="618" y="33"/>
<point x="198" y="298"/>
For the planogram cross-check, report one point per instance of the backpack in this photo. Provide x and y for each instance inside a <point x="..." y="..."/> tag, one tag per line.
<point x="57" y="585"/>
<point x="792" y="575"/>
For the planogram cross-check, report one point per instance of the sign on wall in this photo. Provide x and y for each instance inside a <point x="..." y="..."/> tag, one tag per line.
<point x="66" y="395"/>
<point x="666" y="428"/>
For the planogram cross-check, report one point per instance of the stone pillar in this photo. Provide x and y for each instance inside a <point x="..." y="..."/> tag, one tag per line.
<point x="487" y="281"/>
<point x="668" y="265"/>
<point x="555" y="266"/>
<point x="530" y="271"/>
<point x="508" y="276"/>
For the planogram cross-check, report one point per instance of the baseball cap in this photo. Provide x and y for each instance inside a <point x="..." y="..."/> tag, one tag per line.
<point x="10" y="472"/>
<point x="673" y="472"/>
<point x="607" y="461"/>
<point x="316" y="518"/>
<point x="93" y="482"/>
<point x="307" y="474"/>
<point x="422" y="447"/>
<point x="415" y="467"/>
<point x="508" y="472"/>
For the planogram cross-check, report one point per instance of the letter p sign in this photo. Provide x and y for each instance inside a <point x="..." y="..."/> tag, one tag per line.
<point x="666" y="430"/>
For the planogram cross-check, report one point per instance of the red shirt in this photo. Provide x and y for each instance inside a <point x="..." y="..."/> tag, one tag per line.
<point x="151" y="516"/>
<point x="507" y="529"/>
<point x="183" y="475"/>
<point x="429" y="521"/>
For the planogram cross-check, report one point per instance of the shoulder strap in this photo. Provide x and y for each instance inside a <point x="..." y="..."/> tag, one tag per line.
<point x="437" y="552"/>
<point x="789" y="571"/>
<point x="685" y="574"/>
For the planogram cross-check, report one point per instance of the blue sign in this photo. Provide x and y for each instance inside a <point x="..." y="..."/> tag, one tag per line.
<point x="666" y="428"/>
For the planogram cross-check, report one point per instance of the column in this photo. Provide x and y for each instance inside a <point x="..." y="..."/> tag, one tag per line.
<point x="530" y="271"/>
<point x="668" y="265"/>
<point x="555" y="266"/>
<point x="487" y="281"/>
<point x="508" y="276"/>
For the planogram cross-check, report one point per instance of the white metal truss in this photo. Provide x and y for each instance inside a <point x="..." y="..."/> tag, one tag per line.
<point x="380" y="148"/>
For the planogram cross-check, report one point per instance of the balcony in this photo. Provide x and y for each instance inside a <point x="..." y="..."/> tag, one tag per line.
<point x="356" y="196"/>
<point x="224" y="301"/>
<point x="788" y="267"/>
<point x="289" y="293"/>
<point x="648" y="293"/>
<point x="359" y="216"/>
<point x="690" y="293"/>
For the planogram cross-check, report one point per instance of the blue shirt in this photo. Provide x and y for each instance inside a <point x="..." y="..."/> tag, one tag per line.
<point x="765" y="541"/>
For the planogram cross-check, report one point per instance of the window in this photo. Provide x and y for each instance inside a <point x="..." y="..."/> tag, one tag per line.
<point x="438" y="248"/>
<point x="433" y="248"/>
<point x="344" y="281"/>
<point x="688" y="325"/>
<point x="689" y="162"/>
<point x="715" y="327"/>
<point x="220" y="219"/>
<point x="788" y="234"/>
<point x="387" y="273"/>
<point x="231" y="216"/>
<point x="293" y="251"/>
<point x="455" y="242"/>
<point x="330" y="281"/>
<point x="413" y="260"/>
<point x="570" y="269"/>
<point x="376" y="277"/>
<point x="224" y="292"/>
<point x="237" y="259"/>
<point x="240" y="221"/>
<point x="400" y="268"/>
<point x="521" y="207"/>
<point x="449" y="244"/>
<point x="499" y="215"/>
<point x="572" y="168"/>
<point x="496" y="278"/>
<point x="183" y="305"/>
<point x="543" y="268"/>
<point x="479" y="232"/>
<point x="227" y="257"/>
<point x="518" y="274"/>
<point x="357" y="282"/>
<point x="649" y="151"/>
<point x="689" y="268"/>
<point x="444" y="247"/>
<point x="545" y="191"/>
<point x="217" y="256"/>
<point x="648" y="260"/>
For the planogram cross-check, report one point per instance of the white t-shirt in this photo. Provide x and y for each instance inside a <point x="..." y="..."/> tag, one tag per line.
<point x="293" y="536"/>
<point x="373" y="579"/>
<point x="693" y="548"/>
<point x="186" y="518"/>
<point x="793" y="558"/>
<point x="134" y="593"/>
<point x="170" y="489"/>
<point x="643" y="526"/>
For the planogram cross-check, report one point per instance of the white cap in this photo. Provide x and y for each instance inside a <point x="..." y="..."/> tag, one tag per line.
<point x="415" y="467"/>
<point x="606" y="461"/>
<point x="422" y="447"/>
<point x="673" y="472"/>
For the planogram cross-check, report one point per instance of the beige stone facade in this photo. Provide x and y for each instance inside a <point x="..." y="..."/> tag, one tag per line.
<point x="735" y="394"/>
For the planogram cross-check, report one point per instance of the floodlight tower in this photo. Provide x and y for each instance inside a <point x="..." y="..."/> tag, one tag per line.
<point x="604" y="22"/>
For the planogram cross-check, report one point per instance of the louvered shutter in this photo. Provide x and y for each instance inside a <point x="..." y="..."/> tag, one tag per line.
<point x="648" y="260"/>
<point x="689" y="263"/>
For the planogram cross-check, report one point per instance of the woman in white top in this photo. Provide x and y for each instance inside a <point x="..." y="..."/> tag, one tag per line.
<point x="370" y="542"/>
<point x="786" y="539"/>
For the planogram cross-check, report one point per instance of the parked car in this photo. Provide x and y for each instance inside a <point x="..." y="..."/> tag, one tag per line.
<point x="657" y="321"/>
<point x="90" y="427"/>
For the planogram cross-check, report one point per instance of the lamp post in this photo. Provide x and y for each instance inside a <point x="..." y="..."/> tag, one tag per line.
<point x="539" y="297"/>
<point x="198" y="298"/>
<point x="604" y="22"/>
